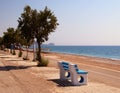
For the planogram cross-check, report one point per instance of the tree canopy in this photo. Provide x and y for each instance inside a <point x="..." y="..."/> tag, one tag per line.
<point x="12" y="36"/>
<point x="37" y="24"/>
<point x="9" y="37"/>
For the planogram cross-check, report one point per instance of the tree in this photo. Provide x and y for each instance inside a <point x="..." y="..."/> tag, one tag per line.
<point x="8" y="37"/>
<point x="12" y="36"/>
<point x="25" y="27"/>
<point x="1" y="43"/>
<point x="37" y="24"/>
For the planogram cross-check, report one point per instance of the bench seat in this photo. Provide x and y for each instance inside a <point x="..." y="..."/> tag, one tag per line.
<point x="82" y="72"/>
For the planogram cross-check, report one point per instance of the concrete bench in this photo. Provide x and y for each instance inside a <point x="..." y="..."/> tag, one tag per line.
<point x="78" y="77"/>
<point x="64" y="70"/>
<point x="71" y="72"/>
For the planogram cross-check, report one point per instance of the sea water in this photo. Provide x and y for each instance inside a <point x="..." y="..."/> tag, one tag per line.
<point x="112" y="52"/>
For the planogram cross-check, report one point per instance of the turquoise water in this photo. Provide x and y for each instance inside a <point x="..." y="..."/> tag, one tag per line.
<point x="112" y="52"/>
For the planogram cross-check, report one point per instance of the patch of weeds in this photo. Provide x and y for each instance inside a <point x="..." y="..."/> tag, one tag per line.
<point x="44" y="62"/>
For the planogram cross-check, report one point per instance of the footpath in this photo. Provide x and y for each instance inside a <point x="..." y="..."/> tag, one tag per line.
<point x="18" y="76"/>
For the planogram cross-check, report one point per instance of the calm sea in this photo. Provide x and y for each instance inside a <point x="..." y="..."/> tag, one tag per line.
<point x="112" y="52"/>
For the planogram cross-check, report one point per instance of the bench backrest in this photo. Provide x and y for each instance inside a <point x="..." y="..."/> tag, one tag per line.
<point x="65" y="65"/>
<point x="74" y="68"/>
<point x="71" y="67"/>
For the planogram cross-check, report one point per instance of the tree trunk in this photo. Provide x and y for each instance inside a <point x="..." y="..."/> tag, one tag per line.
<point x="39" y="53"/>
<point x="26" y="52"/>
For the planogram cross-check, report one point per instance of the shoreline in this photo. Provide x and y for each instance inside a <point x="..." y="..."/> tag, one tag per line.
<point x="84" y="55"/>
<point x="101" y="62"/>
<point x="114" y="59"/>
<point x="97" y="61"/>
<point x="109" y="52"/>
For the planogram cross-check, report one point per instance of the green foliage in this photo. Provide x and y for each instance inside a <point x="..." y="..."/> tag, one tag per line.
<point x="37" y="24"/>
<point x="44" y="62"/>
<point x="12" y="36"/>
<point x="8" y="37"/>
<point x="20" y="54"/>
<point x="25" y="25"/>
<point x="1" y="41"/>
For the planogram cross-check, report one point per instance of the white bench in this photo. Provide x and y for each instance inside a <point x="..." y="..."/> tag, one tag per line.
<point x="64" y="70"/>
<point x="71" y="72"/>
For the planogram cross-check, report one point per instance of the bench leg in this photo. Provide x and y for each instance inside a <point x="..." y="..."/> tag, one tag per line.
<point x="64" y="75"/>
<point x="76" y="81"/>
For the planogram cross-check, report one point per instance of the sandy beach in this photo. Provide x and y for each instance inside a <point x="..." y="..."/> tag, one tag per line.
<point x="19" y="76"/>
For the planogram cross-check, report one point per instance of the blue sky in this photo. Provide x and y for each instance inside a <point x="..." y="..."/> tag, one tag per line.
<point x="82" y="22"/>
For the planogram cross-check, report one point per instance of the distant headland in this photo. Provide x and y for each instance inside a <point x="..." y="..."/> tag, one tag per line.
<point x="49" y="44"/>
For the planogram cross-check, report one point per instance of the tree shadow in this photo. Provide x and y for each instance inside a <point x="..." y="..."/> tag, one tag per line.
<point x="8" y="68"/>
<point x="61" y="83"/>
<point x="14" y="60"/>
<point x="4" y="57"/>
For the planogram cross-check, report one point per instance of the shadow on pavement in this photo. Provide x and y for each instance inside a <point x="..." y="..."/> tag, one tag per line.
<point x="61" y="83"/>
<point x="7" y="68"/>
